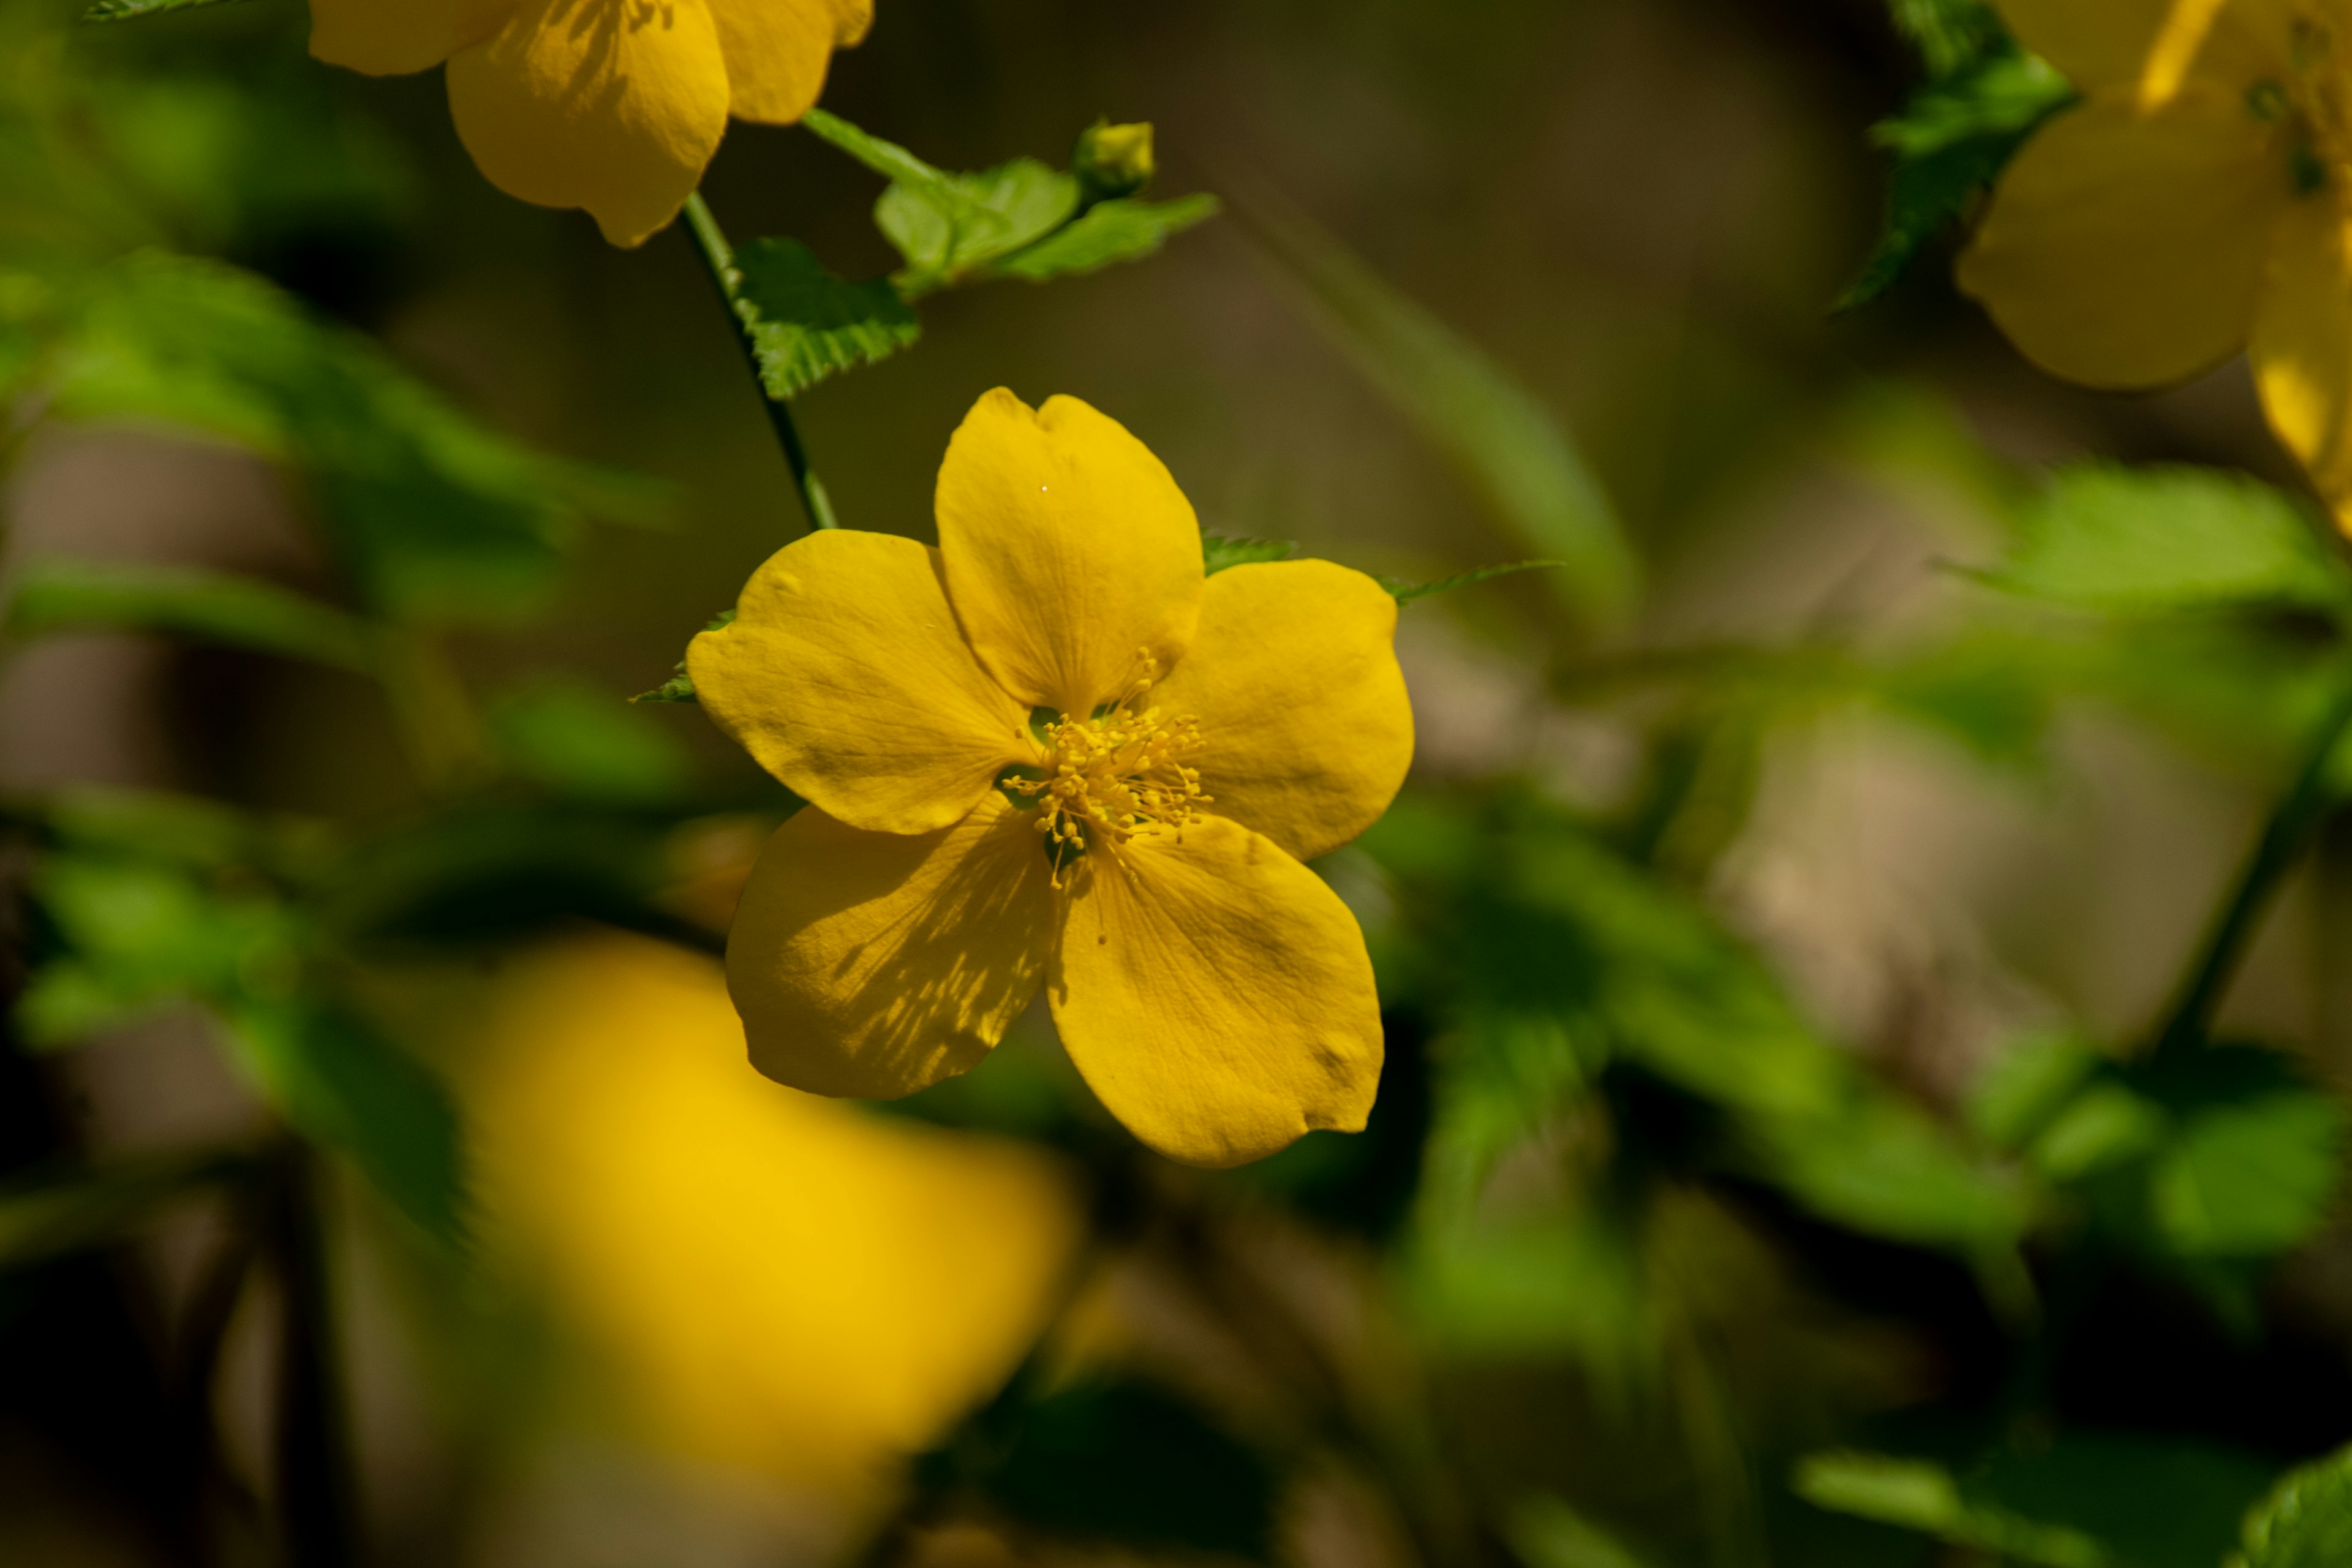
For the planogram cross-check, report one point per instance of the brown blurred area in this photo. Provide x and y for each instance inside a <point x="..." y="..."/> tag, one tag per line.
<point x="1642" y="207"/>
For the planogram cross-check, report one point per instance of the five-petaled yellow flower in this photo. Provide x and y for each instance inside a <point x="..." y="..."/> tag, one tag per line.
<point x="1052" y="753"/>
<point x="611" y="105"/>
<point x="2198" y="201"/>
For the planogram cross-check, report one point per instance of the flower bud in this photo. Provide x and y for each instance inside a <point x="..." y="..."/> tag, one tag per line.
<point x="1112" y="160"/>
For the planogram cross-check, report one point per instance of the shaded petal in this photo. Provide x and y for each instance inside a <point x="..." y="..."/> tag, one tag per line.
<point x="393" y="38"/>
<point x="1216" y="995"/>
<point x="610" y="105"/>
<point x="1069" y="549"/>
<point x="777" y="51"/>
<point x="2125" y="249"/>
<point x="2302" y="348"/>
<point x="2154" y="46"/>
<point x="874" y="964"/>
<point x="1293" y="675"/>
<point x="844" y="675"/>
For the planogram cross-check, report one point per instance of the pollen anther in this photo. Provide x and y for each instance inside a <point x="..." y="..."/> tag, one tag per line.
<point x="1122" y="773"/>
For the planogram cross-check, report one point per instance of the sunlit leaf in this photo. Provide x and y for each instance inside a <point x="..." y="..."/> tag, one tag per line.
<point x="807" y="324"/>
<point x="1125" y="230"/>
<point x="946" y="231"/>
<point x="2305" y="1522"/>
<point x="1512" y="450"/>
<point x="54" y="594"/>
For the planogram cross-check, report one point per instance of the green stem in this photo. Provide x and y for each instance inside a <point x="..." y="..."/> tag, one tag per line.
<point x="2283" y="838"/>
<point x="719" y="257"/>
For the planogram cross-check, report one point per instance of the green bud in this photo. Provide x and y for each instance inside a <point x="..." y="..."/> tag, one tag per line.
<point x="1112" y="160"/>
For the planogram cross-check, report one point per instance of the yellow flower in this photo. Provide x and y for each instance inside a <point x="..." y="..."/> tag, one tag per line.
<point x="611" y="105"/>
<point x="1050" y="752"/>
<point x="2196" y="202"/>
<point x="770" y="1282"/>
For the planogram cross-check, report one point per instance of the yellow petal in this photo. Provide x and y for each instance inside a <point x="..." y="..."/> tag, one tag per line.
<point x="1216" y="995"/>
<point x="598" y="104"/>
<point x="2153" y="47"/>
<point x="844" y="675"/>
<point x="874" y="964"/>
<point x="2302" y="348"/>
<point x="1306" y="728"/>
<point x="777" y="51"/>
<point x="1069" y="550"/>
<point x="393" y="38"/>
<point x="2124" y="250"/>
<point x="766" y="1281"/>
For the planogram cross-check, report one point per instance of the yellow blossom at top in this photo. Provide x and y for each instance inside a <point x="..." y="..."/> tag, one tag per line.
<point x="1051" y="752"/>
<point x="611" y="105"/>
<point x="2198" y="201"/>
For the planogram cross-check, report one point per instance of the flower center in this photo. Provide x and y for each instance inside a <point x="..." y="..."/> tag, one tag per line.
<point x="1118" y="774"/>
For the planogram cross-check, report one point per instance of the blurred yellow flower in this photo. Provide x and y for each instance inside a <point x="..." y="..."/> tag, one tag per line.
<point x="777" y="1284"/>
<point x="2193" y="204"/>
<point x="1050" y="751"/>
<point x="611" y="105"/>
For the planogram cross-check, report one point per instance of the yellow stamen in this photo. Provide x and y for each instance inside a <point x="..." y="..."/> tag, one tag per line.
<point x="1118" y="775"/>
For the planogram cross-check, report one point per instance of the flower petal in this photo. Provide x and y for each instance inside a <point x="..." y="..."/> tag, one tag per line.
<point x="2154" y="46"/>
<point x="2302" y="348"/>
<point x="2125" y="249"/>
<point x="598" y="104"/>
<point x="777" y="51"/>
<point x="1303" y="711"/>
<point x="393" y="38"/>
<point x="1069" y="549"/>
<point x="874" y="964"/>
<point x="1216" y="995"/>
<point x="844" y="675"/>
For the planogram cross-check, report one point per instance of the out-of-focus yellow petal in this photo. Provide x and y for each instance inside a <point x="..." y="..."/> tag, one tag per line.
<point x="594" y="103"/>
<point x="2124" y="249"/>
<point x="2301" y="347"/>
<point x="874" y="964"/>
<point x="2153" y="47"/>
<point x="1069" y="551"/>
<point x="1216" y="995"/>
<point x="775" y="1282"/>
<point x="393" y="38"/>
<point x="1306" y="728"/>
<point x="844" y="675"/>
<point x="777" y="51"/>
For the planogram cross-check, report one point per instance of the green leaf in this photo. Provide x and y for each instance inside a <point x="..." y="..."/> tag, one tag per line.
<point x="1950" y="142"/>
<point x="1124" y="230"/>
<point x="2305" y="1522"/>
<point x="1405" y="593"/>
<point x="56" y="594"/>
<point x="948" y="231"/>
<point x="807" y="324"/>
<point x="1918" y="1494"/>
<point x="1948" y="33"/>
<point x="2168" y="538"/>
<point x="887" y="159"/>
<point x="131" y="10"/>
<point x="678" y="688"/>
<point x="1218" y="552"/>
<point x="1510" y="449"/>
<point x="2019" y="1094"/>
<point x="429" y="512"/>
<point x="578" y="741"/>
<point x="342" y="1084"/>
<point x="2106" y="1125"/>
<point x="1548" y="1533"/>
<point x="49" y="1216"/>
<point x="2250" y="1179"/>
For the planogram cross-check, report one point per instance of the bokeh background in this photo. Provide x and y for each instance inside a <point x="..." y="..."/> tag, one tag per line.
<point x="1712" y="940"/>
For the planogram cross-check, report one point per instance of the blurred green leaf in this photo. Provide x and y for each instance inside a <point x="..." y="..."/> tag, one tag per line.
<point x="1218" y="552"/>
<point x="579" y="743"/>
<point x="129" y="10"/>
<point x="1406" y="592"/>
<point x="1951" y="140"/>
<point x="2028" y="1084"/>
<point x="807" y="324"/>
<point x="1548" y="1533"/>
<point x="431" y="513"/>
<point x="2252" y="1179"/>
<point x="2152" y="1500"/>
<point x="2103" y="1126"/>
<point x="1919" y="1495"/>
<point x="1948" y="33"/>
<point x="2168" y="538"/>
<point x="47" y="1217"/>
<point x="2305" y="1522"/>
<point x="54" y="594"/>
<point x="1124" y="230"/>
<point x="1887" y="1168"/>
<point x="1509" y="446"/>
<point x="341" y="1083"/>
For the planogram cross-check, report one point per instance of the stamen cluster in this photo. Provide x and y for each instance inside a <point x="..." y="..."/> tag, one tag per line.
<point x="1117" y="774"/>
